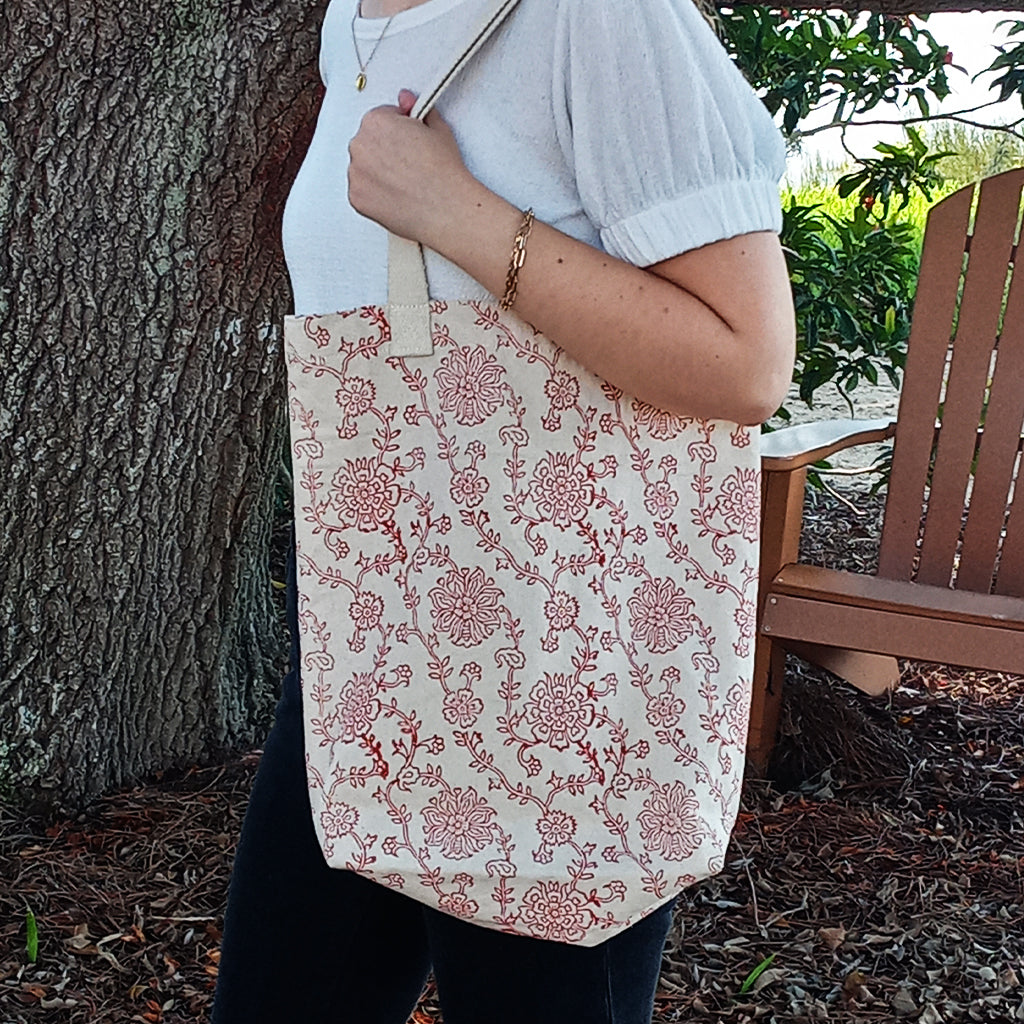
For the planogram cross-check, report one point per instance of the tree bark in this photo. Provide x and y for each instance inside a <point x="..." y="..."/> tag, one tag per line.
<point x="145" y="153"/>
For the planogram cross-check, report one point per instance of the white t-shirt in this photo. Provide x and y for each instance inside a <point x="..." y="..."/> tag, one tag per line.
<point x="623" y="123"/>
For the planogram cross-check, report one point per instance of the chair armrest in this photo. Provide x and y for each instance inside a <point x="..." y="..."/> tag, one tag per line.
<point x="795" y="447"/>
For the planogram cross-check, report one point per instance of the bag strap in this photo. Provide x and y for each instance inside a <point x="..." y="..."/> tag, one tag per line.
<point x="408" y="300"/>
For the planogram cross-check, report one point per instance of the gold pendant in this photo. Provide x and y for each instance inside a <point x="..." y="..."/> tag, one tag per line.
<point x="360" y="82"/>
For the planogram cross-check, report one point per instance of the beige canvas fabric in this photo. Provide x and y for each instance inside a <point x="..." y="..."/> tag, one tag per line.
<point x="527" y="610"/>
<point x="526" y="616"/>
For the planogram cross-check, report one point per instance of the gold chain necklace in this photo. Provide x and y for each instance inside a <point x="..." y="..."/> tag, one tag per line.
<point x="361" y="77"/>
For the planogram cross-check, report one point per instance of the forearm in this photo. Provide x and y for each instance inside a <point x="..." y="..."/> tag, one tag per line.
<point x="644" y="334"/>
<point x="707" y="333"/>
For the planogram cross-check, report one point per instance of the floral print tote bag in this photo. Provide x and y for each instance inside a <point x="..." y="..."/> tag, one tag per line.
<point x="527" y="606"/>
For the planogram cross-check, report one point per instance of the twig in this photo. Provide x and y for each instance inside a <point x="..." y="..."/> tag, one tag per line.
<point x="842" y="498"/>
<point x="753" y="895"/>
<point x="955" y="115"/>
<point x="184" y="920"/>
<point x="851" y="470"/>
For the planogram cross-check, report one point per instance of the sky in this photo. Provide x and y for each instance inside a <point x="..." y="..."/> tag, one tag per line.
<point x="970" y="38"/>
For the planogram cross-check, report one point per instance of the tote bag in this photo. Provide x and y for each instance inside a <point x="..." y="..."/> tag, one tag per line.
<point x="526" y="614"/>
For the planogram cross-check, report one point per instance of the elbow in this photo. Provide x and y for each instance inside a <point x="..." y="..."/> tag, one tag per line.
<point x="765" y="389"/>
<point x="767" y="394"/>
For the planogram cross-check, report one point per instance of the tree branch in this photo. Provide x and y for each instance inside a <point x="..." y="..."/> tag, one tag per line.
<point x="956" y="115"/>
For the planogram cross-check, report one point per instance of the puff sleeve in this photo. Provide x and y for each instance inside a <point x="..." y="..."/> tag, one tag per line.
<point x="671" y="147"/>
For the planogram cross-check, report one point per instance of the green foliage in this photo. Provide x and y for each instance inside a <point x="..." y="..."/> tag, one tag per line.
<point x="853" y="247"/>
<point x="822" y="56"/>
<point x="756" y="973"/>
<point x="853" y="282"/>
<point x="1011" y="62"/>
<point x="31" y="936"/>
<point x="828" y="199"/>
<point x="899" y="173"/>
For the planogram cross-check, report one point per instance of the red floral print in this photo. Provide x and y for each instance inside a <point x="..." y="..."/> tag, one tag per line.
<point x="556" y="828"/>
<point x="366" y="610"/>
<point x="469" y="385"/>
<point x="466" y="605"/>
<point x="338" y="819"/>
<point x="562" y="390"/>
<point x="556" y="911"/>
<point x="745" y="617"/>
<point x="660" y="499"/>
<point x="355" y="397"/>
<point x="670" y="822"/>
<point x="660" y="615"/>
<point x="462" y="708"/>
<point x="665" y="710"/>
<point x="561" y="489"/>
<point x="357" y="706"/>
<point x="740" y="502"/>
<point x="661" y="425"/>
<point x="559" y="710"/>
<point x="737" y="713"/>
<point x="459" y="822"/>
<point x="459" y="904"/>
<point x="468" y="487"/>
<point x="526" y="623"/>
<point x="562" y="610"/>
<point x="364" y="494"/>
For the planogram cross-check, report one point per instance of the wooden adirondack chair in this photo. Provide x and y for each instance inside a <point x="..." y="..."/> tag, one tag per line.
<point x="950" y="580"/>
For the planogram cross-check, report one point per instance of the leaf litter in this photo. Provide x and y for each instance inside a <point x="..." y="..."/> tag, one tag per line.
<point x="877" y="875"/>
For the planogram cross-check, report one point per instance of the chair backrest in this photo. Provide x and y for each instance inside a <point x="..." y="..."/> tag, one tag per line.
<point x="953" y="515"/>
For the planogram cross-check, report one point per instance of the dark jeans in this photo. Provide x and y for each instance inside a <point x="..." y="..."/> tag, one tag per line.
<point x="307" y="943"/>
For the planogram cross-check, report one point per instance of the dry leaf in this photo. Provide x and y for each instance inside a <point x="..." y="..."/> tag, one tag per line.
<point x="903" y="1003"/>
<point x="80" y="941"/>
<point x="110" y="958"/>
<point x="832" y="937"/>
<point x="767" y="977"/>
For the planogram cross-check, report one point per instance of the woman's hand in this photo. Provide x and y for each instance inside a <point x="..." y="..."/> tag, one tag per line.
<point x="709" y="333"/>
<point x="406" y="175"/>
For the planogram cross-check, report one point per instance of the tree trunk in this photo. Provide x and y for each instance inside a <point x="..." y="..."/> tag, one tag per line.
<point x="145" y="153"/>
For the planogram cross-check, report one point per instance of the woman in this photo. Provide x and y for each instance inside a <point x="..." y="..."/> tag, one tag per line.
<point x="653" y="261"/>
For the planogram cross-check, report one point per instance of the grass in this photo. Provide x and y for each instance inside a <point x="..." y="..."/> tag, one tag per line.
<point x="842" y="209"/>
<point x="976" y="153"/>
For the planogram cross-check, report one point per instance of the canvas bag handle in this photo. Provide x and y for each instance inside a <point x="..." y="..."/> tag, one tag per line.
<point x="408" y="302"/>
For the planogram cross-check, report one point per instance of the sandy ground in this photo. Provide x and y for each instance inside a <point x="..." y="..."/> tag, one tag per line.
<point x="869" y="402"/>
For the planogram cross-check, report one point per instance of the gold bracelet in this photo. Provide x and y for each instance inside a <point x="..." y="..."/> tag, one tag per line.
<point x="515" y="263"/>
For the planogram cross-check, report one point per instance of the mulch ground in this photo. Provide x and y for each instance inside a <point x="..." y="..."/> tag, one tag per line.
<point x="880" y="869"/>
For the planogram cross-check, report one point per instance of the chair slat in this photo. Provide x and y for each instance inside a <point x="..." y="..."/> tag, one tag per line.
<point x="889" y="632"/>
<point x="934" y="309"/>
<point x="978" y="322"/>
<point x="997" y="455"/>
<point x="1010" y="580"/>
<point x="839" y="586"/>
